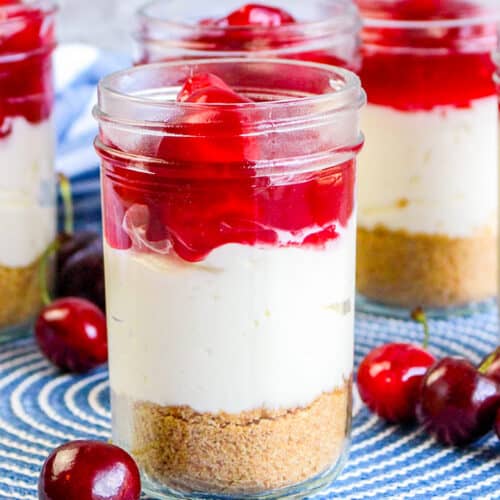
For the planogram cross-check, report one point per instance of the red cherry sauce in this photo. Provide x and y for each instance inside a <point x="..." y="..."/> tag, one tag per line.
<point x="253" y="15"/>
<point x="254" y="27"/>
<point x="26" y="41"/>
<point x="210" y="194"/>
<point x="419" y="69"/>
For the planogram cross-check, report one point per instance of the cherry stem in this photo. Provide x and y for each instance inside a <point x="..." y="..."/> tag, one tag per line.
<point x="419" y="315"/>
<point x="42" y="271"/>
<point x="483" y="367"/>
<point x="67" y="197"/>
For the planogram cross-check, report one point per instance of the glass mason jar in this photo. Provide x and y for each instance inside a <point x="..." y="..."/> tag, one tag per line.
<point x="229" y="258"/>
<point x="427" y="221"/>
<point x="318" y="31"/>
<point x="496" y="59"/>
<point x="27" y="138"/>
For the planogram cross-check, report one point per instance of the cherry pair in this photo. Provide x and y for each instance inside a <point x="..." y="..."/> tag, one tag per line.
<point x="452" y="399"/>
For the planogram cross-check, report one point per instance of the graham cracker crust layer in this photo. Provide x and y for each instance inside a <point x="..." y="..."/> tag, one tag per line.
<point x="20" y="296"/>
<point x="249" y="452"/>
<point x="403" y="269"/>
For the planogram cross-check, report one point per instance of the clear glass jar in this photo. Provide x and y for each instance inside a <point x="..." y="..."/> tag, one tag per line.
<point x="427" y="219"/>
<point x="322" y="31"/>
<point x="229" y="257"/>
<point x="496" y="59"/>
<point x="27" y="139"/>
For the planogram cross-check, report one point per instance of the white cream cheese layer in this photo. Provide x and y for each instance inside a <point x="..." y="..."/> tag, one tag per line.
<point x="27" y="192"/>
<point x="245" y="328"/>
<point x="431" y="172"/>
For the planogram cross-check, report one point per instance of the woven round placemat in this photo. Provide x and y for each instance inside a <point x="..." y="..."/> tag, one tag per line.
<point x="41" y="408"/>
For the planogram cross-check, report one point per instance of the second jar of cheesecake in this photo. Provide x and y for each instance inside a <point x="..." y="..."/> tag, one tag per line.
<point x="428" y="175"/>
<point x="325" y="31"/>
<point x="27" y="141"/>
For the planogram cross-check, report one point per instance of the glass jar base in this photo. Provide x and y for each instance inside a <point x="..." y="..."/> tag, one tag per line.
<point x="298" y="491"/>
<point x="369" y="306"/>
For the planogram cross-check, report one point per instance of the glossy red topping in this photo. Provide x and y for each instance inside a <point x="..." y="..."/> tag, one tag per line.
<point x="9" y="2"/>
<point x="25" y="80"/>
<point x="419" y="10"/>
<point x="424" y="67"/>
<point x="254" y="15"/>
<point x="206" y="88"/>
<point x="254" y="28"/>
<point x="211" y="195"/>
<point x="238" y="30"/>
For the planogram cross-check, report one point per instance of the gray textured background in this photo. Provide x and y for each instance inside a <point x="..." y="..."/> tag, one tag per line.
<point x="106" y="23"/>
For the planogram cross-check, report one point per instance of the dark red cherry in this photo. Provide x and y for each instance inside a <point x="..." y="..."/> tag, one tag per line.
<point x="497" y="424"/>
<point x="208" y="88"/>
<point x="89" y="470"/>
<point x="73" y="243"/>
<point x="80" y="269"/>
<point x="79" y="262"/>
<point x="389" y="379"/>
<point x="209" y="136"/>
<point x="457" y="404"/>
<point x="71" y="332"/>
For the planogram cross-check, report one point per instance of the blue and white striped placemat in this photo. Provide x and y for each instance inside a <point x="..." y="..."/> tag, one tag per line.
<point x="40" y="408"/>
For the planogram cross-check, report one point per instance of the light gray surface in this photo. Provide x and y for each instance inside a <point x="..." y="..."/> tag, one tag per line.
<point x="109" y="23"/>
<point x="106" y="23"/>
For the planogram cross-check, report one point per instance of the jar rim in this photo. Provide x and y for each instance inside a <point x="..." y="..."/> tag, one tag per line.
<point x="349" y="91"/>
<point x="348" y="18"/>
<point x="334" y="95"/>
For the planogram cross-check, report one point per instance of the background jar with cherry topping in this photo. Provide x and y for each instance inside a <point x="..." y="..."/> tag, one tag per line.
<point x="27" y="139"/>
<point x="496" y="59"/>
<point x="324" y="31"/>
<point x="229" y="257"/>
<point x="427" y="233"/>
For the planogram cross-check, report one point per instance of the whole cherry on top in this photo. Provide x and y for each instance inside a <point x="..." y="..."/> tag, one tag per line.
<point x="239" y="28"/>
<point x="190" y="219"/>
<point x="206" y="88"/>
<point x="253" y="15"/>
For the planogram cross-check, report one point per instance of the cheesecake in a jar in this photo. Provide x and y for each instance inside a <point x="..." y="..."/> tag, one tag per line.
<point x="427" y="232"/>
<point x="229" y="226"/>
<point x="323" y="31"/>
<point x="27" y="139"/>
<point x="496" y="77"/>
